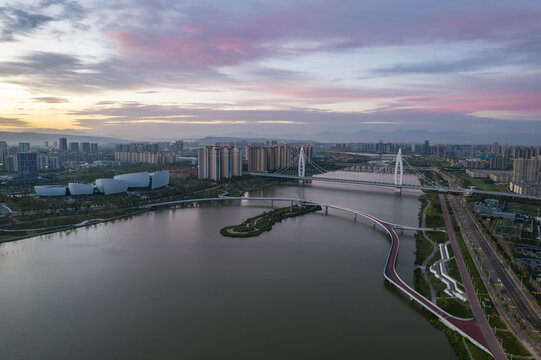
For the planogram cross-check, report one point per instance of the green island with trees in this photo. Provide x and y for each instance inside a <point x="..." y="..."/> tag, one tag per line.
<point x="263" y="222"/>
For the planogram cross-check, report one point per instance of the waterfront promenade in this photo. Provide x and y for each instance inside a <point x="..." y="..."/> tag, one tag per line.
<point x="469" y="328"/>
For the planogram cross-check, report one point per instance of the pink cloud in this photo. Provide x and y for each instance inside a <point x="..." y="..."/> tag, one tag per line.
<point x="524" y="102"/>
<point x="232" y="35"/>
<point x="185" y="49"/>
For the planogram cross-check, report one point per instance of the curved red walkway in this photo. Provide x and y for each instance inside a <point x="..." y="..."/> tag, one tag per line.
<point x="467" y="327"/>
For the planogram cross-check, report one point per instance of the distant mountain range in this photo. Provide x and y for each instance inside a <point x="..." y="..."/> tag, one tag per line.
<point x="406" y="136"/>
<point x="35" y="138"/>
<point x="211" y="140"/>
<point x="409" y="136"/>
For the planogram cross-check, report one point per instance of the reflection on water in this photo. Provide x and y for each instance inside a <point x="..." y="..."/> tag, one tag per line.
<point x="409" y="179"/>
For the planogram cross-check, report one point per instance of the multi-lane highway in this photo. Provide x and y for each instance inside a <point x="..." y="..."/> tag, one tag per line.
<point x="519" y="299"/>
<point x="484" y="326"/>
<point x="524" y="304"/>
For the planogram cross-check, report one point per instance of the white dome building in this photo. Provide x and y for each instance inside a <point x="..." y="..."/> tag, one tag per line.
<point x="80" y="189"/>
<point x="50" y="190"/>
<point x="111" y="186"/>
<point x="135" y="180"/>
<point x="159" y="179"/>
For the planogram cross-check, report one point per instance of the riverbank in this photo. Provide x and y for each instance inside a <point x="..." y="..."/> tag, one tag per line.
<point x="430" y="215"/>
<point x="20" y="226"/>
<point x="256" y="225"/>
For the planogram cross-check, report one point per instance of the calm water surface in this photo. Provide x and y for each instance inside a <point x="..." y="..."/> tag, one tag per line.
<point x="167" y="285"/>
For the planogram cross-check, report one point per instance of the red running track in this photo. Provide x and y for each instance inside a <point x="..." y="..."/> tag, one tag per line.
<point x="466" y="327"/>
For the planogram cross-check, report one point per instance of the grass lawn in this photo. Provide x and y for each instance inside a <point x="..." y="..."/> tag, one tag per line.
<point x="511" y="344"/>
<point x="481" y="184"/>
<point x="424" y="248"/>
<point x="455" y="307"/>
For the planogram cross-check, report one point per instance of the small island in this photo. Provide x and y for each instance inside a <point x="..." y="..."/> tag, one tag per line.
<point x="256" y="225"/>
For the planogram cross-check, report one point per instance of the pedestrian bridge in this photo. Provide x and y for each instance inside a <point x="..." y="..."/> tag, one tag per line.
<point x="466" y="327"/>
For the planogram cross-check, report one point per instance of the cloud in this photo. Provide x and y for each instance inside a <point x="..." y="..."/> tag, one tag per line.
<point x="138" y="120"/>
<point x="49" y="71"/>
<point x="12" y="122"/>
<point x="50" y="99"/>
<point x="16" y="21"/>
<point x="441" y="67"/>
<point x="208" y="34"/>
<point x="494" y="101"/>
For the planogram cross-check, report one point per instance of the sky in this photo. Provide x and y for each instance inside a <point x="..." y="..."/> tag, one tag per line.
<point x="181" y="69"/>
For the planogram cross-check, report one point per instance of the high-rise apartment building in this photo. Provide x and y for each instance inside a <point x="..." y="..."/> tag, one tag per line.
<point x="146" y="157"/>
<point x="11" y="164"/>
<point x="178" y="145"/>
<point x="74" y="146"/>
<point x="94" y="148"/>
<point x="27" y="166"/>
<point x="526" y="170"/>
<point x="526" y="152"/>
<point x="63" y="144"/>
<point x="426" y="148"/>
<point x="85" y="147"/>
<point x="219" y="162"/>
<point x="24" y="147"/>
<point x="270" y="158"/>
<point x="498" y="163"/>
<point x="4" y="153"/>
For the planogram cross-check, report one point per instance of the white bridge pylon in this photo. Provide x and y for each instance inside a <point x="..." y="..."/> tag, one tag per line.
<point x="302" y="163"/>
<point x="399" y="169"/>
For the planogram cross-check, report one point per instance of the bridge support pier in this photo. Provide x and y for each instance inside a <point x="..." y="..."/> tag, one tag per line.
<point x="398" y="191"/>
<point x="326" y="210"/>
<point x="355" y="218"/>
<point x="272" y="203"/>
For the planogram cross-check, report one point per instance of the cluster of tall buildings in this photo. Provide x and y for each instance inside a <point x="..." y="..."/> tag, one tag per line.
<point x="499" y="163"/>
<point x="162" y="146"/>
<point x="85" y="147"/>
<point x="150" y="153"/>
<point x="274" y="157"/>
<point x="146" y="157"/>
<point x="225" y="161"/>
<point x="219" y="162"/>
<point x="26" y="162"/>
<point x="20" y="160"/>
<point x="526" y="179"/>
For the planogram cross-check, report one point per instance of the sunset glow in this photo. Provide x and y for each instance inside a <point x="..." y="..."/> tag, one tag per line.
<point x="210" y="67"/>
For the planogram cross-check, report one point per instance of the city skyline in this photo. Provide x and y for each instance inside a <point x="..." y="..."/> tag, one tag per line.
<point x="161" y="68"/>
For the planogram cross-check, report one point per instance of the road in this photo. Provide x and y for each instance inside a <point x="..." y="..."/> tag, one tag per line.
<point x="518" y="296"/>
<point x="523" y="303"/>
<point x="492" y="343"/>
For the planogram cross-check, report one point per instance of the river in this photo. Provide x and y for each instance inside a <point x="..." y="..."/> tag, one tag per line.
<point x="167" y="285"/>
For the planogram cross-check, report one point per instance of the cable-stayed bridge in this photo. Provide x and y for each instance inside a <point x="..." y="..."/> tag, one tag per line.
<point x="305" y="169"/>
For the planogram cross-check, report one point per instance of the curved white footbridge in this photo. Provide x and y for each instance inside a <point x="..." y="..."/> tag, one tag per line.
<point x="468" y="328"/>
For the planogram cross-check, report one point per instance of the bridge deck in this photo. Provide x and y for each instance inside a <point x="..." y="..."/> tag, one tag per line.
<point x="441" y="189"/>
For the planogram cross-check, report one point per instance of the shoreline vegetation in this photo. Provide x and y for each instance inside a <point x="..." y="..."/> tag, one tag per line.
<point x="22" y="225"/>
<point x="433" y="217"/>
<point x="256" y="225"/>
